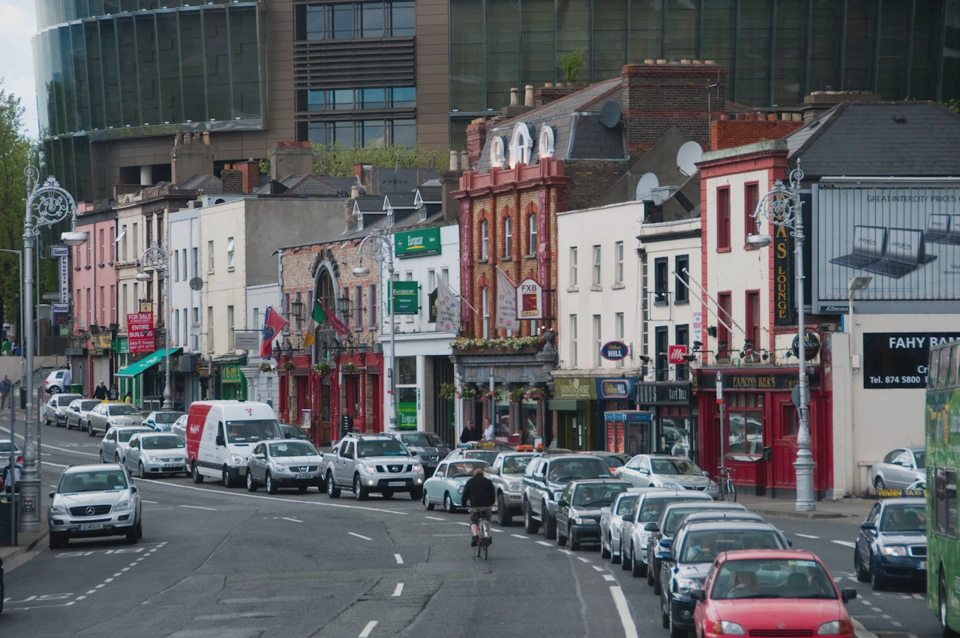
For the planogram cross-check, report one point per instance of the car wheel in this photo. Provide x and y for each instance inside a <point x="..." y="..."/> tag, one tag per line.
<point x="101" y="457"/>
<point x="945" y="610"/>
<point x="675" y="632"/>
<point x="530" y="526"/>
<point x="416" y="493"/>
<point x="636" y="566"/>
<point x="448" y="504"/>
<point x="574" y="543"/>
<point x="504" y="515"/>
<point x="58" y="540"/>
<point x="876" y="580"/>
<point x="549" y="524"/>
<point x="141" y="474"/>
<point x="650" y="577"/>
<point x="46" y="420"/>
<point x="878" y="484"/>
<point x="302" y="488"/>
<point x="268" y="484"/>
<point x="561" y="539"/>
<point x="251" y="484"/>
<point x="862" y="574"/>
<point x="332" y="490"/>
<point x="197" y="477"/>
<point x="618" y="557"/>
<point x="131" y="537"/>
<point x="387" y="493"/>
<point x="90" y="431"/>
<point x="359" y="491"/>
<point x="426" y="502"/>
<point x="139" y="529"/>
<point x="606" y="551"/>
<point x="664" y="615"/>
<point x="657" y="585"/>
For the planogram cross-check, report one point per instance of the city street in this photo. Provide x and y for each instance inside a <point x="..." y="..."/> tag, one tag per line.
<point x="217" y="562"/>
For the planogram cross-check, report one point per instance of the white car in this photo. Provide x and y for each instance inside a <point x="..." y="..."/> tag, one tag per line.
<point x="112" y="414"/>
<point x="670" y="472"/>
<point x="57" y="381"/>
<point x="155" y="454"/>
<point x="611" y="522"/>
<point x="115" y="441"/>
<point x="94" y="500"/>
<point x="55" y="409"/>
<point x="78" y="411"/>
<point x="180" y="427"/>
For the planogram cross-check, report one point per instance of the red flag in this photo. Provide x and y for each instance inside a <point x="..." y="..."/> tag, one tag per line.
<point x="273" y="323"/>
<point x="338" y="326"/>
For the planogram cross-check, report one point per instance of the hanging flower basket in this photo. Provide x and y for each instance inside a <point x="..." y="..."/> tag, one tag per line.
<point x="517" y="395"/>
<point x="468" y="392"/>
<point x="322" y="368"/>
<point x="349" y="368"/>
<point x="266" y="367"/>
<point x="507" y="345"/>
<point x="496" y="395"/>
<point x="448" y="390"/>
<point x="289" y="365"/>
<point x="536" y="394"/>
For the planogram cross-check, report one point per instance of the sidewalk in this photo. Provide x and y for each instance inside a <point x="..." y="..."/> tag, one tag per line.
<point x="842" y="508"/>
<point x="27" y="541"/>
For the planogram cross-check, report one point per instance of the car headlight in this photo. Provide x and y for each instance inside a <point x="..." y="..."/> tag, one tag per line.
<point x="147" y="458"/>
<point x="671" y="485"/>
<point x="894" y="550"/>
<point x="122" y="506"/>
<point x="417" y="467"/>
<point x="731" y="628"/>
<point x="557" y="495"/>
<point x="835" y="627"/>
<point x="687" y="585"/>
<point x="460" y="489"/>
<point x="367" y="469"/>
<point x="236" y="459"/>
<point x="58" y="509"/>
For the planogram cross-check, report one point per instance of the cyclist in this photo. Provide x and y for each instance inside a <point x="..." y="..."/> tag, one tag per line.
<point x="481" y="495"/>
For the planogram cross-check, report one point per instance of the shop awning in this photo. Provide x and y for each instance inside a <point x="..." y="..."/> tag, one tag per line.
<point x="141" y="366"/>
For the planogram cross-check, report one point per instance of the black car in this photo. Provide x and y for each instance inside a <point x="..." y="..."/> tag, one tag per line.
<point x="892" y="545"/>
<point x="293" y="432"/>
<point x="578" y="509"/>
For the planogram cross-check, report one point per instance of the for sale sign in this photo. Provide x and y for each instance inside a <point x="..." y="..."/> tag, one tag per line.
<point x="140" y="336"/>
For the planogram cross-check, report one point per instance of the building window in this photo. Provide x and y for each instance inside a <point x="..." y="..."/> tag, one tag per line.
<point x="574" y="362"/>
<point x="230" y="342"/>
<point x="183" y="254"/>
<point x="751" y="197"/>
<point x="723" y="218"/>
<point x="723" y="330"/>
<point x="597" y="340"/>
<point x="681" y="293"/>
<point x="485" y="308"/>
<point x="196" y="262"/>
<point x="532" y="240"/>
<point x="123" y="246"/>
<point x="596" y="266"/>
<point x="186" y="328"/>
<point x="507" y="238"/>
<point x="230" y="262"/>
<point x="618" y="270"/>
<point x="683" y="339"/>
<point x="573" y="267"/>
<point x="176" y="327"/>
<point x="176" y="268"/>
<point x="661" y="342"/>
<point x="358" y="307"/>
<point x="619" y="329"/>
<point x="113" y="304"/>
<point x="374" y="303"/>
<point x="484" y="240"/>
<point x="745" y="420"/>
<point x="209" y="328"/>
<point x="753" y="321"/>
<point x="210" y="256"/>
<point x="136" y="241"/>
<point x="103" y="306"/>
<point x="661" y="296"/>
<point x="123" y="306"/>
<point x="359" y="20"/>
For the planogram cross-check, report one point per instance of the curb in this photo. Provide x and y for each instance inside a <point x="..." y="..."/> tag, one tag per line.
<point x="21" y="550"/>
<point x="800" y="515"/>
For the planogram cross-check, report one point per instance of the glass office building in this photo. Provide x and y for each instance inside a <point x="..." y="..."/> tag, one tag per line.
<point x="776" y="51"/>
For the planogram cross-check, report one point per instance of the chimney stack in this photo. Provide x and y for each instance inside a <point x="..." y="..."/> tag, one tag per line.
<point x="190" y="157"/>
<point x="232" y="180"/>
<point x="291" y="158"/>
<point x="476" y="139"/>
<point x="454" y="161"/>
<point x="528" y="96"/>
<point x="514" y="98"/>
<point x="251" y="174"/>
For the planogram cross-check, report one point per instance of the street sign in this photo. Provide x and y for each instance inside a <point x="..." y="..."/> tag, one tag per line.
<point x="529" y="300"/>
<point x="796" y="396"/>
<point x="676" y="354"/>
<point x="406" y="295"/>
<point x="417" y="243"/>
<point x="719" y="387"/>
<point x="140" y="336"/>
<point x="246" y="340"/>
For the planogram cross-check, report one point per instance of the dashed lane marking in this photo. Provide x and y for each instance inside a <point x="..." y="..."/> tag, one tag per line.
<point x="844" y="544"/>
<point x="599" y="569"/>
<point x="520" y="536"/>
<point x="565" y="551"/>
<point x="582" y="559"/>
<point x="623" y="609"/>
<point x="435" y="518"/>
<point x="198" y="507"/>
<point x="368" y="629"/>
<point x="292" y="520"/>
<point x="399" y="559"/>
<point x="545" y="543"/>
<point x="807" y="536"/>
<point x="609" y="578"/>
<point x="366" y="538"/>
<point x="398" y="590"/>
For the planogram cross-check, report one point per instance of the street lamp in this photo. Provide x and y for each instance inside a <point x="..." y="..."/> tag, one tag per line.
<point x="157" y="259"/>
<point x="782" y="207"/>
<point x="47" y="204"/>
<point x="384" y="255"/>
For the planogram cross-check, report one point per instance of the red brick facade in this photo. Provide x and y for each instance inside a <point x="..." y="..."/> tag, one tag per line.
<point x="748" y="128"/>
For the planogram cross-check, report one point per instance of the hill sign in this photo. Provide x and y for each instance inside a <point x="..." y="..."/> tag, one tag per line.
<point x="614" y="351"/>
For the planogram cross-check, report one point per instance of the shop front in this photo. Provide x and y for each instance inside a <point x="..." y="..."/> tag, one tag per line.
<point x="674" y="416"/>
<point x="575" y="406"/>
<point x="144" y="379"/>
<point x="760" y="425"/>
<point x="233" y="384"/>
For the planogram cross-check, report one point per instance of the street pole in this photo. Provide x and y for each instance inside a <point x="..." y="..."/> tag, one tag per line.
<point x="157" y="258"/>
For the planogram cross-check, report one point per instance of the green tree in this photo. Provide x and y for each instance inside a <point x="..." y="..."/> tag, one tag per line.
<point x="15" y="150"/>
<point x="953" y="105"/>
<point x="338" y="161"/>
<point x="572" y="64"/>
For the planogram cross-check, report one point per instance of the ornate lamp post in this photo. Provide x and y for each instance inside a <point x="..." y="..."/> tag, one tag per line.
<point x="782" y="207"/>
<point x="157" y="259"/>
<point x="384" y="256"/>
<point x="47" y="204"/>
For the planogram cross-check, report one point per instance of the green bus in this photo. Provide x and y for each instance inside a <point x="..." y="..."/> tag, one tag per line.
<point x="942" y="420"/>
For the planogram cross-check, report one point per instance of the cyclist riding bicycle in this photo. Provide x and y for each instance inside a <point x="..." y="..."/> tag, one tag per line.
<point x="481" y="495"/>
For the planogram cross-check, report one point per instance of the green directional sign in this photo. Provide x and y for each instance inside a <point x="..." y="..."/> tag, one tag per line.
<point x="417" y="243"/>
<point x="406" y="295"/>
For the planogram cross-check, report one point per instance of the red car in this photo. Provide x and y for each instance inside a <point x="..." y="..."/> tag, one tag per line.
<point x="771" y="593"/>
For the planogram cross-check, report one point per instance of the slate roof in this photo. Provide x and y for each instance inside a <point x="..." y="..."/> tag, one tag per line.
<point x="401" y="180"/>
<point x="429" y="194"/>
<point x="399" y="200"/>
<point x="902" y="139"/>
<point x="371" y="204"/>
<point x="202" y="184"/>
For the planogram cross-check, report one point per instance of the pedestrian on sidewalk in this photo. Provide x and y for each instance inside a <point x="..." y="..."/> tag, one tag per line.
<point x="101" y="392"/>
<point x="468" y="434"/>
<point x="9" y="482"/>
<point x="4" y="391"/>
<point x="16" y="349"/>
<point x="5" y="348"/>
<point x="114" y="394"/>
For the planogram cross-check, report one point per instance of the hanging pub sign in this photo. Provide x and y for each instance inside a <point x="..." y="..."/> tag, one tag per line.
<point x="783" y="303"/>
<point x="614" y="351"/>
<point x="811" y="345"/>
<point x="530" y="300"/>
<point x="405" y="297"/>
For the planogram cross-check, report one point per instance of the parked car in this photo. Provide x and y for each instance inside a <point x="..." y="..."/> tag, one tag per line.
<point x="613" y="459"/>
<point x="579" y="509"/>
<point x="671" y="472"/>
<point x="155" y="454"/>
<point x="5" y="447"/>
<point x="180" y="427"/>
<point x="507" y="477"/>
<point x="771" y="593"/>
<point x="891" y="548"/>
<point x="94" y="500"/>
<point x="445" y="487"/>
<point x="162" y="420"/>
<point x="666" y="527"/>
<point x="222" y="434"/>
<point x="111" y="414"/>
<point x="899" y="469"/>
<point x="115" y="441"/>
<point x="428" y="446"/>
<point x="611" y="522"/>
<point x="688" y="559"/>
<point x="545" y="479"/>
<point x="78" y="411"/>
<point x="284" y="463"/>
<point x="293" y="432"/>
<point x="369" y="463"/>
<point x="57" y="381"/>
<point x="636" y="537"/>
<point x="55" y="409"/>
<point x="1" y="586"/>
<point x="484" y="452"/>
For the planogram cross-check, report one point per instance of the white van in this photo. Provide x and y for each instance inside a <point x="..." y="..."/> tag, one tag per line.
<point x="222" y="434"/>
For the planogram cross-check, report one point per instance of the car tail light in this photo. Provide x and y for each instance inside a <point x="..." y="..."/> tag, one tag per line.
<point x="612" y="469"/>
<point x="19" y="459"/>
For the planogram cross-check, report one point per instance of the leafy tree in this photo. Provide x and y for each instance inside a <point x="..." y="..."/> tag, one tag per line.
<point x="953" y="105"/>
<point x="15" y="150"/>
<point x="338" y="161"/>
<point x="572" y="64"/>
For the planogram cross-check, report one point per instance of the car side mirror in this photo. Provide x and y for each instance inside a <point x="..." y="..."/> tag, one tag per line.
<point x="52" y="494"/>
<point x="666" y="543"/>
<point x="705" y="473"/>
<point x="133" y="489"/>
<point x="643" y="470"/>
<point x="651" y="527"/>
<point x="848" y="594"/>
<point x="562" y="503"/>
<point x="493" y="470"/>
<point x="698" y="595"/>
<point x="220" y="441"/>
<point x="869" y="526"/>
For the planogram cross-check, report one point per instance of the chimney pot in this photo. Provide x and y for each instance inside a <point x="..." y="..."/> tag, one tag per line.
<point x="724" y="117"/>
<point x="710" y="62"/>
<point x="548" y="85"/>
<point x="684" y="61"/>
<point x="771" y="117"/>
<point x="528" y="95"/>
<point x="355" y="191"/>
<point x="464" y="161"/>
<point x="454" y="161"/>
<point x="698" y="62"/>
<point x="661" y="61"/>
<point x="797" y="117"/>
<point x="514" y="96"/>
<point x="649" y="61"/>
<point x="741" y="116"/>
<point x="784" y="117"/>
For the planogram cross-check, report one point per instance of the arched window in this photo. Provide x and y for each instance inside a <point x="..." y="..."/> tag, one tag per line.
<point x="532" y="234"/>
<point x="484" y="241"/>
<point x="507" y="237"/>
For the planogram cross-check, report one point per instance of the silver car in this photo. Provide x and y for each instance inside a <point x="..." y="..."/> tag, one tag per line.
<point x="428" y="446"/>
<point x="155" y="454"/>
<point x="611" y="523"/>
<point x="670" y="472"/>
<point x="507" y="477"/>
<point x="180" y="427"/>
<point x="162" y="420"/>
<point x="899" y="469"/>
<point x="94" y="500"/>
<point x="284" y="463"/>
<point x="108" y="415"/>
<point x="55" y="409"/>
<point x="115" y="441"/>
<point x="78" y="411"/>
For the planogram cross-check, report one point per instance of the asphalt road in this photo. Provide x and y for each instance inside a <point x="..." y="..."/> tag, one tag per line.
<point x="226" y="563"/>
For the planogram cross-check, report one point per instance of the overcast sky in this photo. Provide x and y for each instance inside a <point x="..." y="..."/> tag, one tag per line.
<point x="16" y="56"/>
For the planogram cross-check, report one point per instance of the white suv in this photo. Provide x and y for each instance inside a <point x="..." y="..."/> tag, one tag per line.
<point x="367" y="463"/>
<point x="94" y="500"/>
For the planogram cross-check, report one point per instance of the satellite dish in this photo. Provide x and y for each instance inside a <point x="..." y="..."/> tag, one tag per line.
<point x="646" y="185"/>
<point x="687" y="157"/>
<point x="611" y="115"/>
<point x="196" y="283"/>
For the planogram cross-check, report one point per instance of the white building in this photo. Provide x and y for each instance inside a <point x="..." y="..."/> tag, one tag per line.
<point x="185" y="246"/>
<point x="262" y="385"/>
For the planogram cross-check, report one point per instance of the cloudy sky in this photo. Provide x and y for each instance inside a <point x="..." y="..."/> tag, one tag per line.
<point x="16" y="56"/>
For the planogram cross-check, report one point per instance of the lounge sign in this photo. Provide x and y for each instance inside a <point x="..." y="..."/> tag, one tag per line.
<point x="782" y="289"/>
<point x="417" y="243"/>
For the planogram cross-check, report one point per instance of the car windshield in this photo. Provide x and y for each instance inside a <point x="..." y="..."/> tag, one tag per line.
<point x="421" y="439"/>
<point x="567" y="470"/>
<point x="252" y="430"/>
<point x="122" y="409"/>
<point x="921" y="458"/>
<point x="515" y="464"/>
<point x="167" y="417"/>
<point x="772" y="578"/>
<point x="463" y="468"/>
<point x="5" y="447"/>
<point x="652" y="508"/>
<point x="92" y="481"/>
<point x="483" y="455"/>
<point x="702" y="546"/>
<point x="625" y="504"/>
<point x="67" y="399"/>
<point x="601" y="495"/>
<point x="161" y="442"/>
<point x="292" y="448"/>
<point x="904" y="518"/>
<point x="674" y="517"/>
<point x="124" y="435"/>
<point x="383" y="447"/>
<point x="683" y="467"/>
<point x="292" y="432"/>
<point x="86" y="406"/>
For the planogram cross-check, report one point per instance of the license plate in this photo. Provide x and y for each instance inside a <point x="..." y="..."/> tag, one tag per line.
<point x="90" y="526"/>
<point x="300" y="476"/>
<point x="172" y="465"/>
<point x="922" y="565"/>
<point x="397" y="484"/>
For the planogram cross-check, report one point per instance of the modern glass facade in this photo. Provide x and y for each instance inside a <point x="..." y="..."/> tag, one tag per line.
<point x="776" y="51"/>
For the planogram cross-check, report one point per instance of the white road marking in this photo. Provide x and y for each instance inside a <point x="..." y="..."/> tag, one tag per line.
<point x="599" y="569"/>
<point x="806" y="536"/>
<point x="118" y="575"/>
<point x="845" y="544"/>
<point x="462" y="523"/>
<point x="369" y="628"/>
<point x="399" y="559"/>
<point x="545" y="543"/>
<point x="565" y="551"/>
<point x="887" y="616"/>
<point x="92" y="591"/>
<point x="895" y="623"/>
<point x="100" y="586"/>
<point x="398" y="590"/>
<point x="156" y="503"/>
<point x="629" y="629"/>
<point x="82" y="597"/>
<point x="520" y="536"/>
<point x="292" y="520"/>
<point x="609" y="578"/>
<point x="197" y="507"/>
<point x="498" y="531"/>
<point x="435" y="518"/>
<point x="919" y="596"/>
<point x="366" y="538"/>
<point x="108" y="580"/>
<point x="582" y="559"/>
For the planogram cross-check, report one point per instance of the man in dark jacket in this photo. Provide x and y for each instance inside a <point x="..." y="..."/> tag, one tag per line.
<point x="480" y="494"/>
<point x="468" y="434"/>
<point x="101" y="392"/>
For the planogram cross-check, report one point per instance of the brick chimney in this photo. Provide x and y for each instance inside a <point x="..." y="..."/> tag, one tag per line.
<point x="476" y="138"/>
<point x="754" y="127"/>
<point x="232" y="180"/>
<point x="550" y="93"/>
<point x="349" y="219"/>
<point x="251" y="174"/>
<point x="291" y="158"/>
<point x="191" y="155"/>
<point x="660" y="95"/>
<point x="819" y="102"/>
